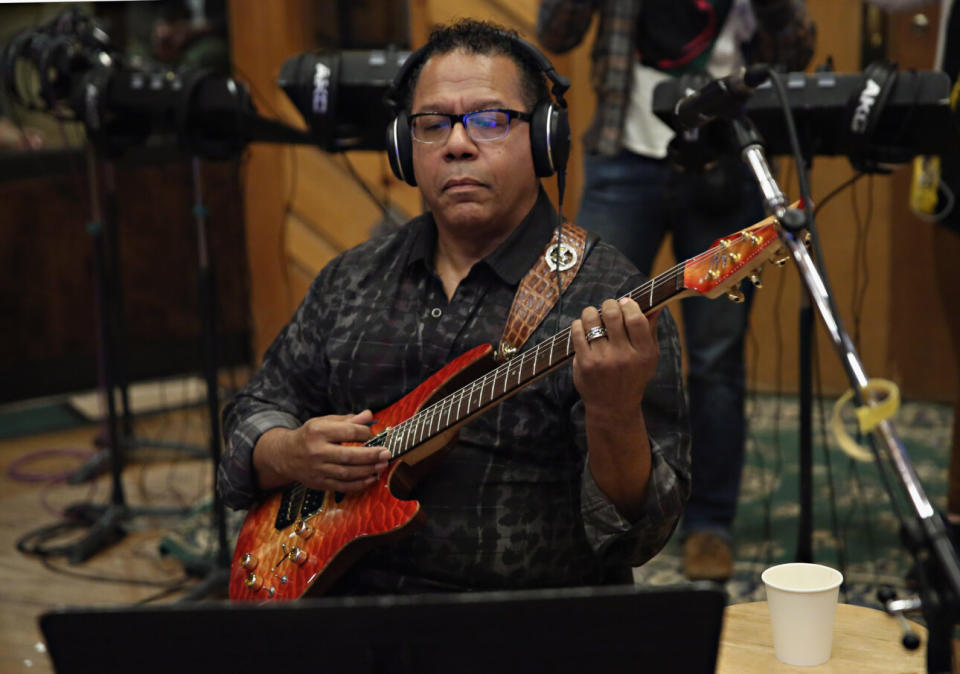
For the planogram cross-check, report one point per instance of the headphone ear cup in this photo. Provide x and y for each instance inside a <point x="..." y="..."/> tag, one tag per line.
<point x="400" y="149"/>
<point x="549" y="139"/>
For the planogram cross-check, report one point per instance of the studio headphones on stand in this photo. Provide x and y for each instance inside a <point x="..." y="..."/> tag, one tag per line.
<point x="549" y="128"/>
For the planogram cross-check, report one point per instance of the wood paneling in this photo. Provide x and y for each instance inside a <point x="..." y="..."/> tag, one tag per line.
<point x="48" y="293"/>
<point x="922" y="353"/>
<point x="262" y="36"/>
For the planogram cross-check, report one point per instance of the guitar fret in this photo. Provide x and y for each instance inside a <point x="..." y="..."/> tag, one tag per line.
<point x="473" y="397"/>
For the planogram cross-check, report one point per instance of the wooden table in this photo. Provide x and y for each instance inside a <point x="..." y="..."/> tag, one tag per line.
<point x="864" y="640"/>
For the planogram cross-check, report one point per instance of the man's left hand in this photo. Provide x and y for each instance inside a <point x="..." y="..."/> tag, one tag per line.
<point x="611" y="371"/>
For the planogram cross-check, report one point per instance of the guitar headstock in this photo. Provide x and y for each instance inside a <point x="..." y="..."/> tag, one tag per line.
<point x="731" y="258"/>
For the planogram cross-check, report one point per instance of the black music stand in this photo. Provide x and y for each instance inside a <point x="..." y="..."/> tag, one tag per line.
<point x="606" y="629"/>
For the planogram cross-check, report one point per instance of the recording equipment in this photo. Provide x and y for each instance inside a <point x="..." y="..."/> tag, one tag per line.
<point x="549" y="128"/>
<point x="68" y="68"/>
<point x="913" y="118"/>
<point x="341" y="95"/>
<point x="724" y="98"/>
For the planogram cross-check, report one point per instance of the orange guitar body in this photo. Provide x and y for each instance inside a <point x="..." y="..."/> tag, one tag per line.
<point x="271" y="563"/>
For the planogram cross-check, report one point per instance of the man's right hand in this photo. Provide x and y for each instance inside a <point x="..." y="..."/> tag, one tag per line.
<point x="313" y="455"/>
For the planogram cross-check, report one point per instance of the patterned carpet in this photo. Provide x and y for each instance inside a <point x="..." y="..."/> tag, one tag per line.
<point x="855" y="528"/>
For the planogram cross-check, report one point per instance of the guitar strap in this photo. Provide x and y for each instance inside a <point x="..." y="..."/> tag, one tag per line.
<point x="537" y="293"/>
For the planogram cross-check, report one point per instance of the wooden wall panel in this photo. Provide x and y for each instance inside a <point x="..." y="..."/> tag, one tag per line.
<point x="306" y="249"/>
<point x="262" y="36"/>
<point x="923" y="357"/>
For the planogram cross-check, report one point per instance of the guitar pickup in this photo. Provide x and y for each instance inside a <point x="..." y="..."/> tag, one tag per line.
<point x="312" y="503"/>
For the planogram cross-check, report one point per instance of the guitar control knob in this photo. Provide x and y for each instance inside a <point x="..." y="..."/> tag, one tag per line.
<point x="303" y="530"/>
<point x="248" y="561"/>
<point x="755" y="279"/>
<point x="735" y="295"/>
<point x="298" y="555"/>
<point x="253" y="582"/>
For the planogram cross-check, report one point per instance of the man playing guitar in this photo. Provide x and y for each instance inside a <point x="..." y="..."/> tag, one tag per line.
<point x="574" y="479"/>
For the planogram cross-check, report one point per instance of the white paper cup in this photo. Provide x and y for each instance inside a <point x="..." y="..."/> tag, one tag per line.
<point x="803" y="602"/>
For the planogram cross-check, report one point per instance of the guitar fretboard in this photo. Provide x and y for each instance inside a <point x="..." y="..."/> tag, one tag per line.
<point x="510" y="376"/>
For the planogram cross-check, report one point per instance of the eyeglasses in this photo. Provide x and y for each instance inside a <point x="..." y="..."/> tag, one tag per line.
<point x="480" y="125"/>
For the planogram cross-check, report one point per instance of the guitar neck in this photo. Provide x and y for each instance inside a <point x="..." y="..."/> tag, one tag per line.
<point x="507" y="379"/>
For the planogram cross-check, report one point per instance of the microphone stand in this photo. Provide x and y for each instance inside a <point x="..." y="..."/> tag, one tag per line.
<point x="106" y="521"/>
<point x="926" y="534"/>
<point x="107" y="528"/>
<point x="218" y="574"/>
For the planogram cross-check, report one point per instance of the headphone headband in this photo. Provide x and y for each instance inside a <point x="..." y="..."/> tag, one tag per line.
<point x="549" y="127"/>
<point x="394" y="95"/>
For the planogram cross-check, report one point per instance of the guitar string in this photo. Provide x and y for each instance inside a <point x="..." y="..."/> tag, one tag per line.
<point x="425" y="418"/>
<point x="491" y="380"/>
<point x="396" y="437"/>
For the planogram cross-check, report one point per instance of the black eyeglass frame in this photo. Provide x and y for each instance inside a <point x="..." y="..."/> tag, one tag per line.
<point x="454" y="118"/>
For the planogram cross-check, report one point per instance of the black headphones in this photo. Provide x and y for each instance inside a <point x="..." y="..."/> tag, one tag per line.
<point x="549" y="128"/>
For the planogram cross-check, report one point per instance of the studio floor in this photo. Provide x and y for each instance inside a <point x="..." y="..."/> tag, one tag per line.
<point x="130" y="571"/>
<point x="854" y="525"/>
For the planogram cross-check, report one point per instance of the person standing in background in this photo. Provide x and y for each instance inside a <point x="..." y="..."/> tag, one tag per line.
<point x="633" y="195"/>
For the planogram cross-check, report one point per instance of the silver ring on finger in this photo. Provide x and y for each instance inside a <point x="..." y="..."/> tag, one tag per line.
<point x="595" y="333"/>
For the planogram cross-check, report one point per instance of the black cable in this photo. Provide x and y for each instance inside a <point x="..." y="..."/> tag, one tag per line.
<point x="98" y="578"/>
<point x="831" y="490"/>
<point x="836" y="190"/>
<point x="387" y="215"/>
<point x="165" y="592"/>
<point x="861" y="270"/>
<point x="561" y="186"/>
<point x="803" y="181"/>
<point x="767" y="526"/>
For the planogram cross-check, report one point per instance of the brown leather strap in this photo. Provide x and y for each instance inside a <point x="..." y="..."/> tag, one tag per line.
<point x="538" y="290"/>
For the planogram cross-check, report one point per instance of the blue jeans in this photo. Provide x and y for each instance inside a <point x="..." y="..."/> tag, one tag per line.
<point x="632" y="201"/>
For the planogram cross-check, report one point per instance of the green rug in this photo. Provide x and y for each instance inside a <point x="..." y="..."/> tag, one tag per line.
<point x="855" y="527"/>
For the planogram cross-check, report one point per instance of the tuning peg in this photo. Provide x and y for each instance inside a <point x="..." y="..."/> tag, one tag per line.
<point x="755" y="278"/>
<point x="735" y="295"/>
<point x="780" y="257"/>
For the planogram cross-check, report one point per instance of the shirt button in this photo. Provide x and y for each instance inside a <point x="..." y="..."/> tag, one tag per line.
<point x="435" y="312"/>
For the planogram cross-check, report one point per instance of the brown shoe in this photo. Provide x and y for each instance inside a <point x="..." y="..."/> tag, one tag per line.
<point x="707" y="556"/>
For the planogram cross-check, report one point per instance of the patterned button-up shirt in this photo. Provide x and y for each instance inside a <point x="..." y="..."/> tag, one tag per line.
<point x="513" y="505"/>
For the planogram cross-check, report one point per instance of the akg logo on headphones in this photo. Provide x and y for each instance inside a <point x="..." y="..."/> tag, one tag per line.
<point x="321" y="89"/>
<point x="867" y="98"/>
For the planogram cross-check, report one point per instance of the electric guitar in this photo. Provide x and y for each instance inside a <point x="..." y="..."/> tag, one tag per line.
<point x="302" y="539"/>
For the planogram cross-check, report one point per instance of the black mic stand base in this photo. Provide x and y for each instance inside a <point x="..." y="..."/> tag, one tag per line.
<point x="107" y="530"/>
<point x="99" y="463"/>
<point x="215" y="585"/>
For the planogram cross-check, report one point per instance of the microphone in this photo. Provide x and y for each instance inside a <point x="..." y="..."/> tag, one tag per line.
<point x="722" y="97"/>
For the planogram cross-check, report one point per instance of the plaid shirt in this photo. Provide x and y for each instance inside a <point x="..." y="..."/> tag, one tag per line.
<point x="514" y="504"/>
<point x="785" y="37"/>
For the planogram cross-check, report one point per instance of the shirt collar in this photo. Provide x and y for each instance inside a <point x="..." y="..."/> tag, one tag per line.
<point x="513" y="258"/>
